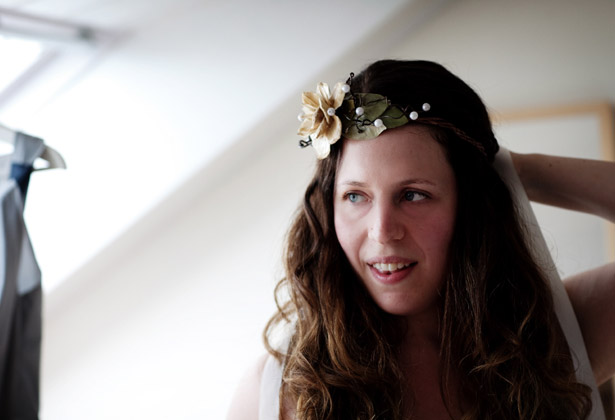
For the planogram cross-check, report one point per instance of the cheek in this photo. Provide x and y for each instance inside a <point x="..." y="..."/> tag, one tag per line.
<point x="438" y="234"/>
<point x="346" y="233"/>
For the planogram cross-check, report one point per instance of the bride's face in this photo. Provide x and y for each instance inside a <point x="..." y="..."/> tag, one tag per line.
<point x="394" y="204"/>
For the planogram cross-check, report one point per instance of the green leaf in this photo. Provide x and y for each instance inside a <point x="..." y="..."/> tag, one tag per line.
<point x="394" y="117"/>
<point x="365" y="133"/>
<point x="375" y="107"/>
<point x="347" y="106"/>
<point x="346" y="114"/>
<point x="373" y="104"/>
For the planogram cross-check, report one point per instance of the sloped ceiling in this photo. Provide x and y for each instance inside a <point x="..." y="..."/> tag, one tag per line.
<point x="112" y="14"/>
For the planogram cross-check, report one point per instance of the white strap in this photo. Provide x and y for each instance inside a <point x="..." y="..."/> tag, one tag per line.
<point x="269" y="401"/>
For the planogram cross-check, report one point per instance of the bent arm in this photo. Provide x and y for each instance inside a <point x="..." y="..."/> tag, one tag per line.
<point x="576" y="184"/>
<point x="592" y="294"/>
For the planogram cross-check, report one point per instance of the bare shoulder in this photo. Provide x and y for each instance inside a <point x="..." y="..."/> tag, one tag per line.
<point x="244" y="405"/>
<point x="592" y="294"/>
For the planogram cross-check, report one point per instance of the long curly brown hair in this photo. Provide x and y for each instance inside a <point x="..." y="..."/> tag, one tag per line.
<point x="498" y="329"/>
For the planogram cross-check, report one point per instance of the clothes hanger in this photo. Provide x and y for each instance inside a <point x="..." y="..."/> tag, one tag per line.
<point x="52" y="156"/>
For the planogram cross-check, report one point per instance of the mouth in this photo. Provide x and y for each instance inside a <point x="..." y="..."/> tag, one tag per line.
<point x="391" y="273"/>
<point x="388" y="268"/>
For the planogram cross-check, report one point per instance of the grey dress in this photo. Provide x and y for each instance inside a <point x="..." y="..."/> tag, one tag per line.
<point x="20" y="288"/>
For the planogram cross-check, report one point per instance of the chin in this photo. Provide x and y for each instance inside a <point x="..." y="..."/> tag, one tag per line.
<point x="405" y="308"/>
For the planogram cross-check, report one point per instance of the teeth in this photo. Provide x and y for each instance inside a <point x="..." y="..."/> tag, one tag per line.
<point x="389" y="267"/>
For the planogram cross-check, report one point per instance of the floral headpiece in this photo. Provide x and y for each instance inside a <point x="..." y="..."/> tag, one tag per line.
<point x="328" y="116"/>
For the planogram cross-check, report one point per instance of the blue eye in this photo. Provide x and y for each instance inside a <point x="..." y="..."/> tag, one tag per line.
<point x="354" y="197"/>
<point x="414" y="196"/>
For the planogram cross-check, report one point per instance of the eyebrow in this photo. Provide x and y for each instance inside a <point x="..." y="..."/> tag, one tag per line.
<point x="411" y="181"/>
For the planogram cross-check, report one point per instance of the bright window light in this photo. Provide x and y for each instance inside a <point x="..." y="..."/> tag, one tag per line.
<point x="18" y="55"/>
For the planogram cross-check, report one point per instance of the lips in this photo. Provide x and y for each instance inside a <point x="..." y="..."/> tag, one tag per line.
<point x="391" y="272"/>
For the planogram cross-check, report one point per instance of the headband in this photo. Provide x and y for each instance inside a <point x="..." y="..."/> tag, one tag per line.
<point x="327" y="116"/>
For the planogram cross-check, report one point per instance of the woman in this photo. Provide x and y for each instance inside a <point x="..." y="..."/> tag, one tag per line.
<point x="412" y="290"/>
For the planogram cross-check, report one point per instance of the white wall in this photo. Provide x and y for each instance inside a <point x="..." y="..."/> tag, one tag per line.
<point x="520" y="54"/>
<point x="166" y="331"/>
<point x="162" y="324"/>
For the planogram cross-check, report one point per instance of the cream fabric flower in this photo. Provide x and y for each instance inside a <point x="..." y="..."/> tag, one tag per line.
<point x="317" y="123"/>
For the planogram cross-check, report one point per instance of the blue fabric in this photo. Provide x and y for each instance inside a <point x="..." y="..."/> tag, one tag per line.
<point x="27" y="149"/>
<point x="21" y="174"/>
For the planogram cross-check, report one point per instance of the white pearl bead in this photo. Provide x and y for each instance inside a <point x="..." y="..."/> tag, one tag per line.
<point x="345" y="88"/>
<point x="301" y="116"/>
<point x="359" y="111"/>
<point x="426" y="107"/>
<point x="378" y="123"/>
<point x="414" y="115"/>
<point x="331" y="111"/>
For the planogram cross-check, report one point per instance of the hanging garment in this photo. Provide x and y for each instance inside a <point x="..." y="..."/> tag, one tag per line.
<point x="20" y="288"/>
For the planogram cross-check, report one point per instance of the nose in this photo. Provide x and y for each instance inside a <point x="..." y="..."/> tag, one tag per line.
<point x="386" y="224"/>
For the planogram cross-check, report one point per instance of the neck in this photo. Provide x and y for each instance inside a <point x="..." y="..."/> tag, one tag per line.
<point x="420" y="344"/>
<point x="422" y="329"/>
<point x="419" y="359"/>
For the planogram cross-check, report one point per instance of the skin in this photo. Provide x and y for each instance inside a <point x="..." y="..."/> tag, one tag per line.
<point x="245" y="401"/>
<point x="577" y="184"/>
<point x="394" y="204"/>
